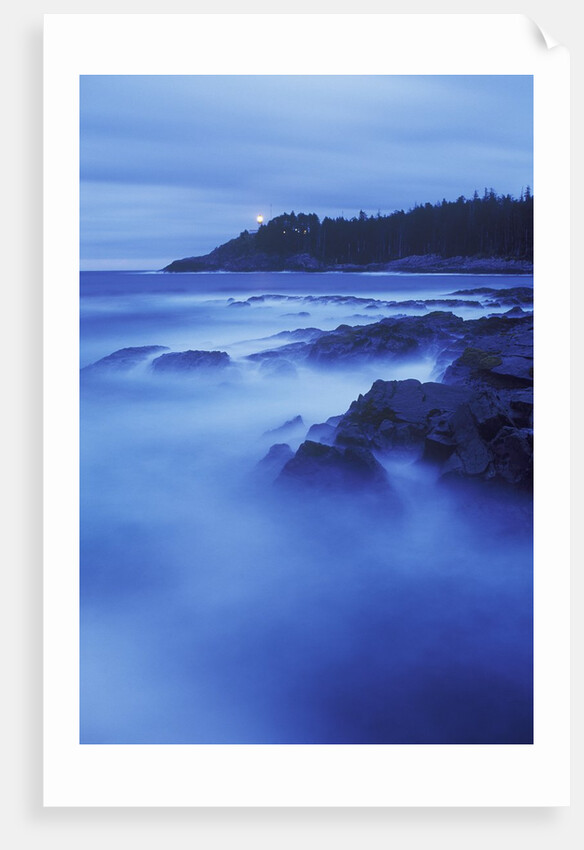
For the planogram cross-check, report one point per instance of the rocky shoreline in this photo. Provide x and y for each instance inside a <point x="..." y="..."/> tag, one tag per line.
<point x="473" y="422"/>
<point x="219" y="260"/>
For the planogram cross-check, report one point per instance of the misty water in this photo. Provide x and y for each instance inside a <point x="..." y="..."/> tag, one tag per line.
<point x="219" y="608"/>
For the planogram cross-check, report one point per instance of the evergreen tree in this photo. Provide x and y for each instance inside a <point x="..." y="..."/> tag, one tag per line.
<point x="487" y="226"/>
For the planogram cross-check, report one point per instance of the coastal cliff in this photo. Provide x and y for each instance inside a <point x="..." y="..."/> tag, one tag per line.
<point x="485" y="235"/>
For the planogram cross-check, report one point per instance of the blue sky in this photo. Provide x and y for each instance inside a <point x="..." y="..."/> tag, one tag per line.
<point x="172" y="166"/>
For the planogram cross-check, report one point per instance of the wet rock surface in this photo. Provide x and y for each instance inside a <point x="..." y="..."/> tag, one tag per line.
<point x="438" y="334"/>
<point x="512" y="295"/>
<point x="469" y="430"/>
<point x="396" y="338"/>
<point x="242" y="255"/>
<point x="324" y="432"/>
<point x="496" y="352"/>
<point x="278" y="367"/>
<point x="292" y="426"/>
<point x="474" y="424"/>
<point x="320" y="467"/>
<point x="270" y="466"/>
<point x="399" y="414"/>
<point x="465" y="431"/>
<point x="124" y="359"/>
<point x="186" y="361"/>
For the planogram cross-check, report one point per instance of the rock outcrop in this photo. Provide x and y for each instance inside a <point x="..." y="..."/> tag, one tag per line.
<point x="324" y="432"/>
<point x="292" y="426"/>
<point x="270" y="466"/>
<point x="465" y="431"/>
<point x="395" y="338"/>
<point x="243" y="255"/>
<point x="399" y="415"/>
<point x="438" y="334"/>
<point x="240" y="255"/>
<point x="335" y="469"/>
<point x="475" y="424"/>
<point x="124" y="359"/>
<point x="498" y="352"/>
<point x="187" y="361"/>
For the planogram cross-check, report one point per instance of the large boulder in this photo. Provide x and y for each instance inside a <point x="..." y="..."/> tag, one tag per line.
<point x="270" y="466"/>
<point x="278" y="367"/>
<point x="324" y="432"/>
<point x="495" y="351"/>
<point x="398" y="415"/>
<point x="499" y="297"/>
<point x="397" y="338"/>
<point x="124" y="359"/>
<point x="187" y="361"/>
<point x="466" y="432"/>
<point x="493" y="368"/>
<point x="342" y="470"/>
<point x="437" y="334"/>
<point x="290" y="428"/>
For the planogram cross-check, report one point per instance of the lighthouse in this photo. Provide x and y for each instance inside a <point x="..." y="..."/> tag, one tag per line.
<point x="260" y="221"/>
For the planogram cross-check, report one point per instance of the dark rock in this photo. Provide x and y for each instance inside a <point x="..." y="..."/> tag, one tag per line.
<point x="478" y="290"/>
<point x="321" y="433"/>
<point x="250" y="252"/>
<point x="187" y="361"/>
<point x="302" y="334"/>
<point x="472" y="453"/>
<point x="302" y="263"/>
<point x="451" y="302"/>
<point x="513" y="455"/>
<point x="324" y="432"/>
<point x="438" y="445"/>
<point x="520" y="406"/>
<point x="399" y="415"/>
<point x="470" y="265"/>
<point x="475" y="426"/>
<point x="271" y="296"/>
<point x="320" y="467"/>
<point x="489" y="412"/>
<point x="278" y="367"/>
<point x="124" y="359"/>
<point x="466" y="431"/>
<point x="296" y="350"/>
<point x="270" y="466"/>
<point x="292" y="425"/>
<point x="476" y="367"/>
<point x="299" y="335"/>
<point x="515" y="312"/>
<point x="496" y="351"/>
<point x="394" y="338"/>
<point x="439" y="334"/>
<point x="514" y="295"/>
<point x="241" y="255"/>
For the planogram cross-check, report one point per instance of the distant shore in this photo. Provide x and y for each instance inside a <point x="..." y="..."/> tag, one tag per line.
<point x="425" y="263"/>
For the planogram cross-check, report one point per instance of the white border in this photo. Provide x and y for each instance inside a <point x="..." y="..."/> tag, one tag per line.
<point x="207" y="775"/>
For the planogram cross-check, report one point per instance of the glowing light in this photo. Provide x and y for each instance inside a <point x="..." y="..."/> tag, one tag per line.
<point x="260" y="219"/>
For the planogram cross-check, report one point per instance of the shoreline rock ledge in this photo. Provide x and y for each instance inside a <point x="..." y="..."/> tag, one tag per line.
<point x="225" y="260"/>
<point x="469" y="430"/>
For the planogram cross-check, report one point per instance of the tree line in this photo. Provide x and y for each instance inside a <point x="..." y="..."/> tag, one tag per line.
<point x="488" y="226"/>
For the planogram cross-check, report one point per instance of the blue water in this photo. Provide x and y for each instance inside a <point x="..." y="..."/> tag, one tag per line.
<point x="216" y="610"/>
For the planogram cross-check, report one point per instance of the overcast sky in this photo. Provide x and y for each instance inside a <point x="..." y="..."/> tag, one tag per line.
<point x="172" y="166"/>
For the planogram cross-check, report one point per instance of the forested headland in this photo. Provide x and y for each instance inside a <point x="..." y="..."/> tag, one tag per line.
<point x="491" y="227"/>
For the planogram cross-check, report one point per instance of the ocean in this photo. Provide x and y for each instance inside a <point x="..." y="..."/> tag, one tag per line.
<point x="216" y="608"/>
